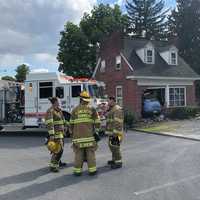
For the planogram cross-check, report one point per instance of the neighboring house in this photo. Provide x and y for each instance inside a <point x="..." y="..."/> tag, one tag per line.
<point x="135" y="69"/>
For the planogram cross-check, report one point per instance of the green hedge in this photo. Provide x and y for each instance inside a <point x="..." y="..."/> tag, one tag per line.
<point x="182" y="112"/>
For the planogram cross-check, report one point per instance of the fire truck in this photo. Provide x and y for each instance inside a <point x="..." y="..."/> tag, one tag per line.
<point x="39" y="86"/>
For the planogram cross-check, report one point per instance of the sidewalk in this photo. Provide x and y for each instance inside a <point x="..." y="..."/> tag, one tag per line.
<point x="186" y="129"/>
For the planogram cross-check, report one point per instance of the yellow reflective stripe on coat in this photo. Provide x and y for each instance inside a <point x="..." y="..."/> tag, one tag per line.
<point x="48" y="121"/>
<point x="78" y="121"/>
<point x="89" y="139"/>
<point x="60" y="122"/>
<point x="118" y="120"/>
<point x="51" y="132"/>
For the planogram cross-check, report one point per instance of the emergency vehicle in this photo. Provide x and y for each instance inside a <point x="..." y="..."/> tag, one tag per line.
<point x="42" y="85"/>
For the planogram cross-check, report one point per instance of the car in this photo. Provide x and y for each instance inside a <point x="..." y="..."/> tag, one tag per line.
<point x="151" y="107"/>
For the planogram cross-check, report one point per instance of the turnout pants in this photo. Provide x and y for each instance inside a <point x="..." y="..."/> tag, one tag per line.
<point x="56" y="157"/>
<point x="84" y="154"/>
<point x="115" y="150"/>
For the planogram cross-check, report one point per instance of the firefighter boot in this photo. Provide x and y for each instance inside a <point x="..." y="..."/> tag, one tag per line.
<point x="116" y="165"/>
<point x="110" y="162"/>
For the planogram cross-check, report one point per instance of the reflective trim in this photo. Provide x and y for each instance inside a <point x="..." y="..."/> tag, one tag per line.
<point x="51" y="132"/>
<point x="92" y="169"/>
<point x="89" y="139"/>
<point x="60" y="122"/>
<point x="118" y="120"/>
<point x="78" y="121"/>
<point x="48" y="121"/>
<point x="54" y="165"/>
<point x="85" y="145"/>
<point x="97" y="121"/>
<point x="118" y="161"/>
<point x="117" y="131"/>
<point x="77" y="170"/>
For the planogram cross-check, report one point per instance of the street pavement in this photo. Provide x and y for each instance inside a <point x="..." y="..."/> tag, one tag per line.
<point x="155" y="168"/>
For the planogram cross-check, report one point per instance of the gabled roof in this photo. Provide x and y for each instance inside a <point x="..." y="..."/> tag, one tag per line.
<point x="160" y="68"/>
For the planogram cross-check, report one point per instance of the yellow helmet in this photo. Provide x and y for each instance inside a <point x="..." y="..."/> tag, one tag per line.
<point x="85" y="96"/>
<point x="54" y="147"/>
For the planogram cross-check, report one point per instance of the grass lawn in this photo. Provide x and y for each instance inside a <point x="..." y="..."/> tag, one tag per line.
<point x="158" y="127"/>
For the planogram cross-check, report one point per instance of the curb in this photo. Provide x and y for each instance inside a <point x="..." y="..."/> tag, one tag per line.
<point x="168" y="135"/>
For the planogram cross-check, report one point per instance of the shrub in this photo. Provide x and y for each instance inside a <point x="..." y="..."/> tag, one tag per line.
<point x="129" y="119"/>
<point x="182" y="112"/>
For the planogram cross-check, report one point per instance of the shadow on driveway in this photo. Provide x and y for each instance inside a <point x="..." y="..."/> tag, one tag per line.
<point x="36" y="190"/>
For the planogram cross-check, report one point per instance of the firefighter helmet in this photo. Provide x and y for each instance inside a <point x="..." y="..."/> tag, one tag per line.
<point x="84" y="95"/>
<point x="54" y="147"/>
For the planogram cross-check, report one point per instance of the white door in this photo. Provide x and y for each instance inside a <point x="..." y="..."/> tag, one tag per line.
<point x="31" y="103"/>
<point x="31" y="97"/>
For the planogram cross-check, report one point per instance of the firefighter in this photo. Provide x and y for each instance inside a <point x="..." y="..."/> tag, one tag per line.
<point x="56" y="125"/>
<point x="114" y="129"/>
<point x="83" y="124"/>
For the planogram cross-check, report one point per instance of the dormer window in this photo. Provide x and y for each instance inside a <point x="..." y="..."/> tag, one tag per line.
<point x="118" y="62"/>
<point x="173" y="58"/>
<point x="103" y="66"/>
<point x="149" y="56"/>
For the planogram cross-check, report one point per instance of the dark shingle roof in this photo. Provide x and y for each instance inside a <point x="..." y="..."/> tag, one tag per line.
<point x="160" y="68"/>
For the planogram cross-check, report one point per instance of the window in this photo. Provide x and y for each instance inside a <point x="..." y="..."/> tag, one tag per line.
<point x="174" y="58"/>
<point x="60" y="92"/>
<point x="177" y="97"/>
<point x="149" y="56"/>
<point x="119" y="95"/>
<point x="103" y="66"/>
<point x="76" y="90"/>
<point x="118" y="62"/>
<point x="46" y="90"/>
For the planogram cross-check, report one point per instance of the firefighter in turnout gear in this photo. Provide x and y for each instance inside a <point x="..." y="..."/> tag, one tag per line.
<point x="56" y="125"/>
<point x="114" y="129"/>
<point x="83" y="124"/>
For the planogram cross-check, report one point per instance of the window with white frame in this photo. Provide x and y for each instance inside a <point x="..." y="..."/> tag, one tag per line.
<point x="118" y="62"/>
<point x="177" y="97"/>
<point x="119" y="95"/>
<point x="173" y="58"/>
<point x="103" y="66"/>
<point x="149" y="56"/>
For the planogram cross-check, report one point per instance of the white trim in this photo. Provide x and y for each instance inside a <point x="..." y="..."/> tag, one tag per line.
<point x="126" y="61"/>
<point x="118" y="61"/>
<point x="160" y="78"/>
<point x="96" y="68"/>
<point x="116" y="97"/>
<point x="185" y="96"/>
<point x="176" y="54"/>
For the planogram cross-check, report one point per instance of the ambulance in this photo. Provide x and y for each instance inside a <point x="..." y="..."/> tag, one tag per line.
<point x="39" y="86"/>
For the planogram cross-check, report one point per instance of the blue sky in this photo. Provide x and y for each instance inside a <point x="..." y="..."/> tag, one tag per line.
<point x="29" y="31"/>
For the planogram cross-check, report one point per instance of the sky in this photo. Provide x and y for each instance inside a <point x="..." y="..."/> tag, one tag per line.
<point x="30" y="30"/>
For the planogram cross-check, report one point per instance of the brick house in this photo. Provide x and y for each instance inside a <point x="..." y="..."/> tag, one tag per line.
<point x="135" y="68"/>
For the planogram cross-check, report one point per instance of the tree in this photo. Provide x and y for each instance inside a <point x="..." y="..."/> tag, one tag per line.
<point x="102" y="21"/>
<point x="8" y="78"/>
<point x="21" y="72"/>
<point x="74" y="54"/>
<point x="147" y="18"/>
<point x="185" y="26"/>
<point x="78" y="44"/>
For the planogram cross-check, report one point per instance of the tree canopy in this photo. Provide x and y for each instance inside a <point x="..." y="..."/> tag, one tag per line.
<point x="21" y="72"/>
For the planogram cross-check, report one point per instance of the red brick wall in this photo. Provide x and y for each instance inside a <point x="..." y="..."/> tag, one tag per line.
<point x="112" y="77"/>
<point x="190" y="95"/>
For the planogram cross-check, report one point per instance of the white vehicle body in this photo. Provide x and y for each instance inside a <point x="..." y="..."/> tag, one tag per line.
<point x="40" y="86"/>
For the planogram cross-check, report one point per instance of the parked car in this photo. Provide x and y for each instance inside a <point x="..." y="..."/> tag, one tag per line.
<point x="151" y="107"/>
